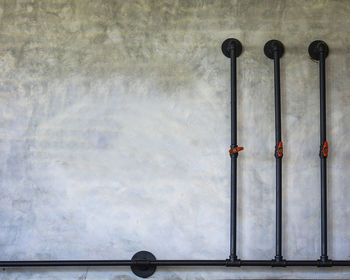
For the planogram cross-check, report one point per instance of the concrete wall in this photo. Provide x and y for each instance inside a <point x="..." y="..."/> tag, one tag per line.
<point x="115" y="127"/>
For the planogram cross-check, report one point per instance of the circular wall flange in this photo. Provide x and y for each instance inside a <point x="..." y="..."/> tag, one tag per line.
<point x="271" y="46"/>
<point x="140" y="270"/>
<point x="228" y="44"/>
<point x="315" y="49"/>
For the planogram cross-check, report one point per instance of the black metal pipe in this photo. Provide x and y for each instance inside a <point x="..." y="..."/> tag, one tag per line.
<point x="341" y="263"/>
<point x="232" y="48"/>
<point x="278" y="159"/>
<point x="191" y="262"/>
<point x="112" y="263"/>
<point x="237" y="263"/>
<point x="233" y="96"/>
<point x="324" y="209"/>
<point x="323" y="159"/>
<point x="274" y="49"/>
<point x="233" y="224"/>
<point x="278" y="209"/>
<point x="276" y="60"/>
<point x="301" y="263"/>
<point x="66" y="263"/>
<point x="318" y="50"/>
<point x="256" y="262"/>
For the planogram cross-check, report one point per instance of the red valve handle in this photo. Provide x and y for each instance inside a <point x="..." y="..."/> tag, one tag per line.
<point x="325" y="149"/>
<point x="235" y="150"/>
<point x="280" y="149"/>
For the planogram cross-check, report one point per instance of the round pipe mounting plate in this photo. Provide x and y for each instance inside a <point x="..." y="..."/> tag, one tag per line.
<point x="143" y="271"/>
<point x="228" y="44"/>
<point x="271" y="46"/>
<point x="315" y="49"/>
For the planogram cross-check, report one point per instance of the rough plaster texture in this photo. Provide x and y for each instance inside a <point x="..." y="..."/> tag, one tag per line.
<point x="115" y="130"/>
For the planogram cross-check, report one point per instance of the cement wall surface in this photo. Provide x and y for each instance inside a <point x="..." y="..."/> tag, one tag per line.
<point x="115" y="130"/>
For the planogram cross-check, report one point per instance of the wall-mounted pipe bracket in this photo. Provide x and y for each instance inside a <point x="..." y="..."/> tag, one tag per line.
<point x="316" y="47"/>
<point x="271" y="47"/>
<point x="142" y="266"/>
<point x="230" y="43"/>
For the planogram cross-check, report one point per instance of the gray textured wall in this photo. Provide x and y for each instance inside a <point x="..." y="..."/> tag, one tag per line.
<point x="115" y="130"/>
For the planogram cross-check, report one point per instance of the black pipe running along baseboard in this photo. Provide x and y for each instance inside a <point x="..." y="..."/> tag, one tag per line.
<point x="144" y="263"/>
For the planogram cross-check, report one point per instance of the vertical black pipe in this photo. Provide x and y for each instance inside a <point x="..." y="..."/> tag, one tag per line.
<point x="323" y="158"/>
<point x="276" y="59"/>
<point x="233" y="229"/>
<point x="232" y="48"/>
<point x="274" y="50"/>
<point x="233" y="96"/>
<point x="318" y="50"/>
<point x="278" y="159"/>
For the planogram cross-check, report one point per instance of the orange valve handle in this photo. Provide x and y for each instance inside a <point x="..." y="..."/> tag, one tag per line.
<point x="235" y="150"/>
<point x="325" y="149"/>
<point x="280" y="149"/>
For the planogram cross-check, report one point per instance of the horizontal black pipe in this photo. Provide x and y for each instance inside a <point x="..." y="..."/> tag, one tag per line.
<point x="112" y="263"/>
<point x="172" y="263"/>
<point x="66" y="263"/>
